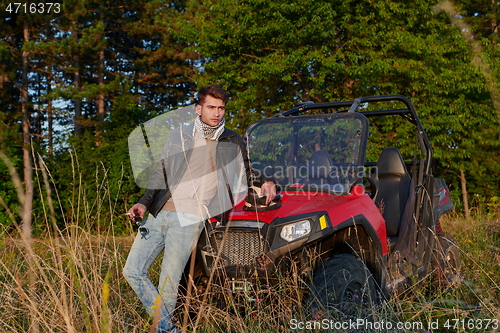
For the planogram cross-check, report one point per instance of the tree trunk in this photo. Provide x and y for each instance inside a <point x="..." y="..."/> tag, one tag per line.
<point x="28" y="170"/>
<point x="50" y="115"/>
<point x="27" y="204"/>
<point x="101" y="111"/>
<point x="38" y="119"/>
<point x="494" y="21"/>
<point x="77" y="102"/>
<point x="463" y="182"/>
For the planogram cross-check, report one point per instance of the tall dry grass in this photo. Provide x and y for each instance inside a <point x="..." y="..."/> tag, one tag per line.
<point x="69" y="280"/>
<point x="475" y="301"/>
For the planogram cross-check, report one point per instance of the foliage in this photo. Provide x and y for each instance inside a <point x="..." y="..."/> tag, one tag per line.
<point x="273" y="55"/>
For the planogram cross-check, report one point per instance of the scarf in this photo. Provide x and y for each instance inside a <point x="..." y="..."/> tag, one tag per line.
<point x="207" y="131"/>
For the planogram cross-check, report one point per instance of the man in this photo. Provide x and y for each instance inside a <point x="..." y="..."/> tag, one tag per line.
<point x="190" y="185"/>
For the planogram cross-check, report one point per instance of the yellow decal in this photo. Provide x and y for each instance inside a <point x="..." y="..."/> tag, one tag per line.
<point x="322" y="222"/>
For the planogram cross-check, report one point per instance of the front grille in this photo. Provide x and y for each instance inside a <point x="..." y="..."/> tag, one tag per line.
<point x="241" y="247"/>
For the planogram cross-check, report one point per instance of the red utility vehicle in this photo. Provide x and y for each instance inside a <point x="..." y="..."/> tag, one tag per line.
<point x="357" y="211"/>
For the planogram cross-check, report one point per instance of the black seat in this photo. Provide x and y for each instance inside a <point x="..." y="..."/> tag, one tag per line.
<point x="393" y="188"/>
<point x="319" y="168"/>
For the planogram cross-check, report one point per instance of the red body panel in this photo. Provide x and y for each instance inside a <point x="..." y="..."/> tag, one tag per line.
<point x="340" y="208"/>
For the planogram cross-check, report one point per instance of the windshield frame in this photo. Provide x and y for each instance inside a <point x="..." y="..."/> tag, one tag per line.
<point x="325" y="118"/>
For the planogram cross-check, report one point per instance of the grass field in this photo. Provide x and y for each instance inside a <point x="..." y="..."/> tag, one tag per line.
<point x="73" y="283"/>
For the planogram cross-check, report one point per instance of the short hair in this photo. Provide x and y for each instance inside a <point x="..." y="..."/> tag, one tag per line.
<point x="213" y="90"/>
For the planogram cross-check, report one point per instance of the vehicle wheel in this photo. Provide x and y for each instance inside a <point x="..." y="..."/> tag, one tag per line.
<point x="446" y="260"/>
<point x="343" y="285"/>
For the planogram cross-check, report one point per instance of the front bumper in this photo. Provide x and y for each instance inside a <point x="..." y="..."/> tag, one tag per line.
<point x="252" y="250"/>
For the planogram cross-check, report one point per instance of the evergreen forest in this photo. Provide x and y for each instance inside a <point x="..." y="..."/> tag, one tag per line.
<point x="77" y="76"/>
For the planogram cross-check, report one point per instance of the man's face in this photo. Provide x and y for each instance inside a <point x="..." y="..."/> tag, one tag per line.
<point x="212" y="111"/>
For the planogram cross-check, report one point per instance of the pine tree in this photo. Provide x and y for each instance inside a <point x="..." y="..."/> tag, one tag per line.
<point x="270" y="56"/>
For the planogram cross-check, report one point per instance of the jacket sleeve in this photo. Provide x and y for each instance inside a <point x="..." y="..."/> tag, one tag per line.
<point x="158" y="181"/>
<point x="148" y="198"/>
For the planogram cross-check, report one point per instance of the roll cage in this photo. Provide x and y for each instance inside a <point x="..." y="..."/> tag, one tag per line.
<point x="359" y="106"/>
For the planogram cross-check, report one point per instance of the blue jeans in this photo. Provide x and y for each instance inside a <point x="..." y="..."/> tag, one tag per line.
<point x="166" y="232"/>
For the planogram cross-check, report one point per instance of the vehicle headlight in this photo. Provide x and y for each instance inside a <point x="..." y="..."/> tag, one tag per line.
<point x="293" y="231"/>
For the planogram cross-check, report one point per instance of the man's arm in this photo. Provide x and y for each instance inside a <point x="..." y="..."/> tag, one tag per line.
<point x="137" y="210"/>
<point x="157" y="183"/>
<point x="269" y="190"/>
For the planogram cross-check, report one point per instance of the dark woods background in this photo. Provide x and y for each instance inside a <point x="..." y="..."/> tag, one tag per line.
<point x="75" y="83"/>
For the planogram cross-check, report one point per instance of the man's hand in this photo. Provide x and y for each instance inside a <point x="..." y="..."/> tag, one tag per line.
<point x="269" y="190"/>
<point x="137" y="209"/>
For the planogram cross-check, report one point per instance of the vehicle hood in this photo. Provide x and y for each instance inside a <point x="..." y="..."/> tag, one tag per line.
<point x="339" y="207"/>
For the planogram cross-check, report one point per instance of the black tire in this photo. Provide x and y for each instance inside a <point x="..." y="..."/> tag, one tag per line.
<point x="446" y="260"/>
<point x="343" y="286"/>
